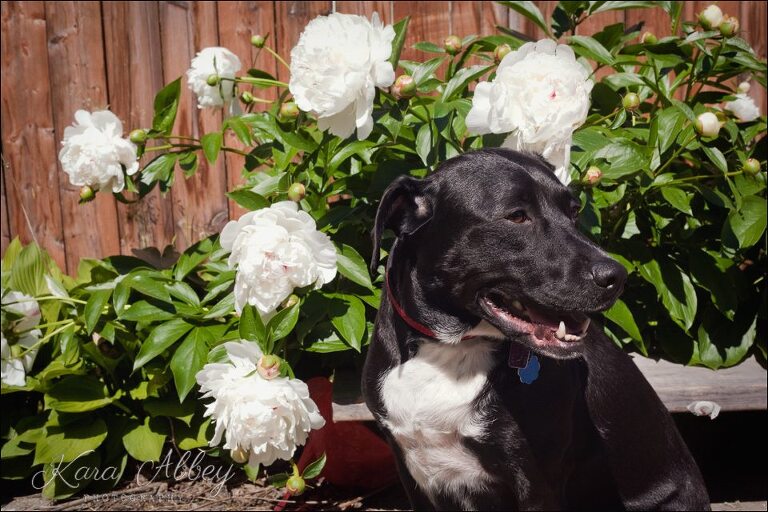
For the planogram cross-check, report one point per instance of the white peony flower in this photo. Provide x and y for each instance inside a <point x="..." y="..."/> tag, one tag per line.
<point x="338" y="62"/>
<point x="711" y="17"/>
<point x="275" y="250"/>
<point x="266" y="418"/>
<point x="95" y="153"/>
<point x="213" y="61"/>
<point x="540" y="96"/>
<point x="744" y="108"/>
<point x="704" y="408"/>
<point x="707" y="124"/>
<point x="13" y="364"/>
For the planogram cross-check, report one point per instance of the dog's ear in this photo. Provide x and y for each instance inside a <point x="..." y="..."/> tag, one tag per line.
<point x="404" y="208"/>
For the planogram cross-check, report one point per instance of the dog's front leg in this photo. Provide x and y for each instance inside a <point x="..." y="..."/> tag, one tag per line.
<point x="650" y="462"/>
<point x="416" y="497"/>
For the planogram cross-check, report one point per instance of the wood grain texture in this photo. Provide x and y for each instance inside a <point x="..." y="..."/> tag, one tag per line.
<point x="291" y="18"/>
<point x="753" y="18"/>
<point x="135" y="75"/>
<point x="199" y="204"/>
<point x="29" y="147"/>
<point x="384" y="9"/>
<point x="741" y="388"/>
<point x="5" y="227"/>
<point x="430" y="21"/>
<point x="76" y="64"/>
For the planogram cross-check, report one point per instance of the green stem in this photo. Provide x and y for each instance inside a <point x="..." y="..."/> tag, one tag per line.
<point x="233" y="150"/>
<point x="47" y="297"/>
<point x="277" y="56"/>
<point x="46" y="337"/>
<point x="701" y="177"/>
<point x="258" y="81"/>
<point x="51" y="324"/>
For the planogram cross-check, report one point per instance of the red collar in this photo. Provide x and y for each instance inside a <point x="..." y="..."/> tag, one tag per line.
<point x="423" y="329"/>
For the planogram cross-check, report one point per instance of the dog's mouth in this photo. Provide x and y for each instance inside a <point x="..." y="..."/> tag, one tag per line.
<point x="545" y="328"/>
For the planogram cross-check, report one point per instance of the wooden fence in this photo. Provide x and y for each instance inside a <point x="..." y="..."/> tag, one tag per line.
<point x="58" y="57"/>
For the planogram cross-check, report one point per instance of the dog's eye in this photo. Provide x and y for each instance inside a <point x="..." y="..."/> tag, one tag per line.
<point x="518" y="216"/>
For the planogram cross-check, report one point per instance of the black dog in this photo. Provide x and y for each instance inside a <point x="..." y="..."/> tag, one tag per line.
<point x="484" y="372"/>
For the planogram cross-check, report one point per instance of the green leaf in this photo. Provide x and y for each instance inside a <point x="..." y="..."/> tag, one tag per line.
<point x="188" y="162"/>
<point x="171" y="408"/>
<point x="427" y="69"/>
<point x="675" y="289"/>
<point x="461" y="80"/>
<point x="621" y="315"/>
<point x="530" y="11"/>
<point x="401" y="28"/>
<point x="716" y="157"/>
<point x="189" y="438"/>
<point x="149" y="283"/>
<point x="748" y="223"/>
<point x="64" y="479"/>
<point x="426" y="46"/>
<point x="93" y="308"/>
<point x="624" y="156"/>
<point x="211" y="143"/>
<point x="65" y="443"/>
<point x="352" y="266"/>
<point x="144" y="441"/>
<point x="314" y="469"/>
<point x="28" y="271"/>
<point x="143" y="311"/>
<point x="282" y="324"/>
<point x="424" y="143"/>
<point x="77" y="393"/>
<point x="351" y="323"/>
<point x="161" y="337"/>
<point x="241" y="129"/>
<point x="252" y="327"/>
<point x="669" y="122"/>
<point x="159" y="169"/>
<point x="349" y="150"/>
<point x="189" y="359"/>
<point x="591" y="48"/>
<point x="678" y="198"/>
<point x="248" y="199"/>
<point x="166" y="105"/>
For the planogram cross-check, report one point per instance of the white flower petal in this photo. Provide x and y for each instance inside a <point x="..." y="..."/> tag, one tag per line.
<point x="213" y="61"/>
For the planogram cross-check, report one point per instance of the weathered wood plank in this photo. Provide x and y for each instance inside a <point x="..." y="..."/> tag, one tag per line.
<point x="430" y="21"/>
<point x="384" y="9"/>
<point x="199" y="204"/>
<point x="237" y="22"/>
<point x="753" y="29"/>
<point x="5" y="227"/>
<point x="134" y="76"/>
<point x="76" y="64"/>
<point x="29" y="146"/>
<point x="739" y="388"/>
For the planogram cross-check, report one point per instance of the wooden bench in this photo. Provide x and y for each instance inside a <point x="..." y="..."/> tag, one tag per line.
<point x="740" y="388"/>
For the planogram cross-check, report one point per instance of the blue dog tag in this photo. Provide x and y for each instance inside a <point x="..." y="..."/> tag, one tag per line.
<point x="531" y="371"/>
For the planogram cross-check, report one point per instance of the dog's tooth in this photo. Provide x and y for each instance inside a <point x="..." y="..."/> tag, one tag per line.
<point x="585" y="326"/>
<point x="561" y="330"/>
<point x="517" y="305"/>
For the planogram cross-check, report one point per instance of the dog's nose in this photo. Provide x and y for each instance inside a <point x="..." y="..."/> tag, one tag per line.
<point x="609" y="274"/>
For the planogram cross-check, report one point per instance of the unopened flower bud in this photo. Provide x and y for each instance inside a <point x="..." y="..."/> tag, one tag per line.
<point x="404" y="86"/>
<point x="711" y="17"/>
<point x="501" y="51"/>
<point x="213" y="80"/>
<point x="87" y="194"/>
<point x="631" y="101"/>
<point x="296" y="192"/>
<point x="138" y="136"/>
<point x="649" y="38"/>
<point x="17" y="351"/>
<point x="452" y="44"/>
<point x="744" y="87"/>
<point x="239" y="455"/>
<point x="593" y="175"/>
<point x="707" y="124"/>
<point x="246" y="97"/>
<point x="729" y="26"/>
<point x="289" y="110"/>
<point x="291" y="301"/>
<point x="268" y="366"/>
<point x="295" y="485"/>
<point x="751" y="166"/>
<point x="258" y="40"/>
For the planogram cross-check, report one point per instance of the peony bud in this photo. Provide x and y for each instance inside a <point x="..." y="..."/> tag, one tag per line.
<point x="296" y="192"/>
<point x="213" y="80"/>
<point x="751" y="166"/>
<point x="649" y="38"/>
<point x="269" y="367"/>
<point x="711" y="17"/>
<point x="246" y="97"/>
<point x="138" y="136"/>
<point x="744" y="87"/>
<point x="289" y="110"/>
<point x="729" y="27"/>
<point x="295" y="485"/>
<point x="707" y="124"/>
<point x="292" y="300"/>
<point x="87" y="194"/>
<point x="593" y="175"/>
<point x="501" y="51"/>
<point x="631" y="101"/>
<point x="258" y="40"/>
<point x="239" y="455"/>
<point x="452" y="44"/>
<point x="404" y="86"/>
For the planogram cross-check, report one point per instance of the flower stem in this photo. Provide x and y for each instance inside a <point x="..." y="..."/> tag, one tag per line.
<point x="700" y="177"/>
<point x="47" y="297"/>
<point x="277" y="56"/>
<point x="46" y="337"/>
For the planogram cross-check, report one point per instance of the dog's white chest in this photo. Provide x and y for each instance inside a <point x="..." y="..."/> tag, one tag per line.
<point x="429" y="410"/>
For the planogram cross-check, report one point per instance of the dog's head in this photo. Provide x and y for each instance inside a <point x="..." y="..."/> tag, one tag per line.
<point x="493" y="234"/>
